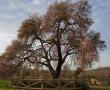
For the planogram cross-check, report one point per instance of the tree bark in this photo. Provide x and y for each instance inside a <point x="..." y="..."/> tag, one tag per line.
<point x="58" y="70"/>
<point x="56" y="73"/>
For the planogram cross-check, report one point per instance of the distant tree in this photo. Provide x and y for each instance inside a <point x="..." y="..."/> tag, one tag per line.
<point x="61" y="35"/>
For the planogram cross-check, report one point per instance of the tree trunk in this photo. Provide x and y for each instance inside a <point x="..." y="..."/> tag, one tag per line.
<point x="56" y="73"/>
<point x="58" y="70"/>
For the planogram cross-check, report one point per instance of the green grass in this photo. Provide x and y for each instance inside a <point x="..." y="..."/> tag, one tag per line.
<point x="4" y="85"/>
<point x="100" y="88"/>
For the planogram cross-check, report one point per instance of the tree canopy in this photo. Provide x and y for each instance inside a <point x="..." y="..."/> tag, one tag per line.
<point x="62" y="34"/>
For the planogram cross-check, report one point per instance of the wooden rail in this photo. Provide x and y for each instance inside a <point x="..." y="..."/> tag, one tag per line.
<point x="38" y="84"/>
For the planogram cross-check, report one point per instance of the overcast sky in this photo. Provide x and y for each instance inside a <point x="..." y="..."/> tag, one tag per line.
<point x="13" y="12"/>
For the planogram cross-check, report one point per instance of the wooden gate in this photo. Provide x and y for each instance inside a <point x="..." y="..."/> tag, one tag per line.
<point x="37" y="84"/>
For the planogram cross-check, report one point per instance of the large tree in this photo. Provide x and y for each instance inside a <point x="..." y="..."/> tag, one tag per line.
<point x="62" y="34"/>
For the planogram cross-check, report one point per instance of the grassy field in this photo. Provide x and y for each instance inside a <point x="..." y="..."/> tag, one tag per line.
<point x="4" y="85"/>
<point x="100" y="88"/>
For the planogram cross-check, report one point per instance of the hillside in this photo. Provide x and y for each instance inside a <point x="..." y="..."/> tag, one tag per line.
<point x="102" y="72"/>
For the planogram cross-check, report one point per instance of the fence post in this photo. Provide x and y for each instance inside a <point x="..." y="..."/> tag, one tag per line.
<point x="42" y="85"/>
<point x="73" y="83"/>
<point x="17" y="83"/>
<point x="59" y="85"/>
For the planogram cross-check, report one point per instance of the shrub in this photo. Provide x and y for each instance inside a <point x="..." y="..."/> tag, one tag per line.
<point x="83" y="84"/>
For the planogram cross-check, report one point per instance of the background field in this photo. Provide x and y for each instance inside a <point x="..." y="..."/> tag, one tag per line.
<point x="5" y="85"/>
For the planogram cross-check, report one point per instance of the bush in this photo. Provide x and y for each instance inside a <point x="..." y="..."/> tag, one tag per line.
<point x="83" y="84"/>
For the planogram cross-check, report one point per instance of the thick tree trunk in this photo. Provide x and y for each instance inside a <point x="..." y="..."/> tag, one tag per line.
<point x="58" y="69"/>
<point x="56" y="73"/>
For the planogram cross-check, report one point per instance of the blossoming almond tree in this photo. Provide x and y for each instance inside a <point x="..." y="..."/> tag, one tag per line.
<point x="64" y="31"/>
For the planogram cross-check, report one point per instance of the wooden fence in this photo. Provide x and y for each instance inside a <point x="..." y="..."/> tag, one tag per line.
<point x="37" y="84"/>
